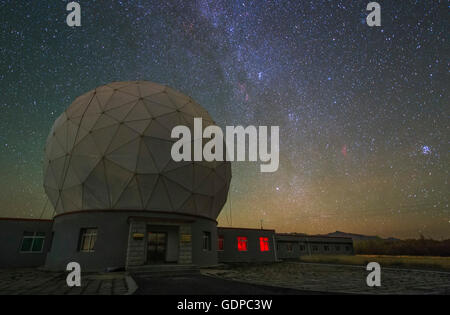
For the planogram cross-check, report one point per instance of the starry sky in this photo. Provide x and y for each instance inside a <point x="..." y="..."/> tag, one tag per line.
<point x="363" y="112"/>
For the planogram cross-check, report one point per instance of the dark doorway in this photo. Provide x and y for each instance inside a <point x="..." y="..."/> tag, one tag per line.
<point x="156" y="247"/>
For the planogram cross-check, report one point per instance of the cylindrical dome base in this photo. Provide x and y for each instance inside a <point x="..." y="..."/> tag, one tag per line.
<point x="107" y="239"/>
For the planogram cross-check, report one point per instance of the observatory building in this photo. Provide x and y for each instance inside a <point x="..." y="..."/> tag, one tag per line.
<point x="120" y="199"/>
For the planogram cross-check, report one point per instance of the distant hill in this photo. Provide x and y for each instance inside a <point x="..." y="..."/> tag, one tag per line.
<point x="359" y="237"/>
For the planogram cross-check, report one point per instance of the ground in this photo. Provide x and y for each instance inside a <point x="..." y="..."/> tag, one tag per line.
<point x="407" y="262"/>
<point x="280" y="278"/>
<point x="37" y="282"/>
<point x="338" y="278"/>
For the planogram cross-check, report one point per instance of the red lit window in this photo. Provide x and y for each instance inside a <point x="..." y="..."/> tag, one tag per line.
<point x="220" y="242"/>
<point x="242" y="243"/>
<point x="264" y="244"/>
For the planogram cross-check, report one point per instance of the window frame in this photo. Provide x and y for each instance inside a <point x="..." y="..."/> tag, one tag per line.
<point x="206" y="241"/>
<point x="242" y="240"/>
<point x="264" y="244"/>
<point x="83" y="235"/>
<point x="33" y="237"/>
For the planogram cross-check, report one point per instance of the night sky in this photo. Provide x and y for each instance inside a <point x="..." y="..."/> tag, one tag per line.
<point x="363" y="112"/>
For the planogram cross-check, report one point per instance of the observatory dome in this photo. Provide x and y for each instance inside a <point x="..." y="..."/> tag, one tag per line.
<point x="111" y="149"/>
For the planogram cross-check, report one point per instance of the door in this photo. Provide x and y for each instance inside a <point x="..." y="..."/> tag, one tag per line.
<point x="156" y="247"/>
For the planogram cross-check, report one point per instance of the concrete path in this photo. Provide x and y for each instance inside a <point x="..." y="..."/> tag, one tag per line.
<point x="204" y="285"/>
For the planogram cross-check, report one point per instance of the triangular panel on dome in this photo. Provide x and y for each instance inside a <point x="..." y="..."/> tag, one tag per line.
<point x="126" y="156"/>
<point x="58" y="167"/>
<point x="148" y="88"/>
<point x="119" y="113"/>
<point x="59" y="206"/>
<point x="138" y="112"/>
<point x="86" y="146"/>
<point x="72" y="131"/>
<point x="179" y="100"/>
<point x="94" y="107"/>
<point x="130" y="198"/>
<point x="55" y="149"/>
<point x="156" y="109"/>
<point x="118" y="99"/>
<point x="183" y="175"/>
<point x="159" y="200"/>
<point x="123" y="136"/>
<point x="88" y="121"/>
<point x="83" y="165"/>
<point x="170" y="121"/>
<point x="103" y="137"/>
<point x="77" y="109"/>
<point x="103" y="97"/>
<point x="145" y="163"/>
<point x="206" y="186"/>
<point x="70" y="178"/>
<point x="104" y="121"/>
<point x="72" y="198"/>
<point x="96" y="184"/>
<point x="200" y="174"/>
<point x="61" y="135"/>
<point x="157" y="130"/>
<point x="160" y="150"/>
<point x="174" y="165"/>
<point x="163" y="99"/>
<point x="189" y="206"/>
<point x="147" y="184"/>
<point x="52" y="194"/>
<point x="132" y="89"/>
<point x="178" y="195"/>
<point x="117" y="178"/>
<point x="187" y="120"/>
<point x="138" y="125"/>
<point x="90" y="201"/>
<point x="191" y="109"/>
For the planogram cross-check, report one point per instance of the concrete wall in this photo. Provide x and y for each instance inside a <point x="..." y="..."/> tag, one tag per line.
<point x="11" y="235"/>
<point x="231" y="253"/>
<point x="113" y="239"/>
<point x="293" y="246"/>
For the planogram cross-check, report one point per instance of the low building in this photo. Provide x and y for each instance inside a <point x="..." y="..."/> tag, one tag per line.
<point x="293" y="245"/>
<point x="245" y="245"/>
<point x="24" y="242"/>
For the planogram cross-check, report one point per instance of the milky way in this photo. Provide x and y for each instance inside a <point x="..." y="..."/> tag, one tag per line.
<point x="363" y="111"/>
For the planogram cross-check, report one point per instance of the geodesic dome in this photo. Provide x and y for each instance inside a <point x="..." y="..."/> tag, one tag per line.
<point x="111" y="149"/>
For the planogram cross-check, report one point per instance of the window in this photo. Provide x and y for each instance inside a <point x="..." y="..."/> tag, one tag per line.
<point x="347" y="248"/>
<point x="88" y="237"/>
<point x="315" y="248"/>
<point x="326" y="248"/>
<point x="264" y="244"/>
<point x="206" y="241"/>
<point x="289" y="247"/>
<point x="338" y="248"/>
<point x="302" y="248"/>
<point x="32" y="242"/>
<point x="242" y="243"/>
<point x="220" y="240"/>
